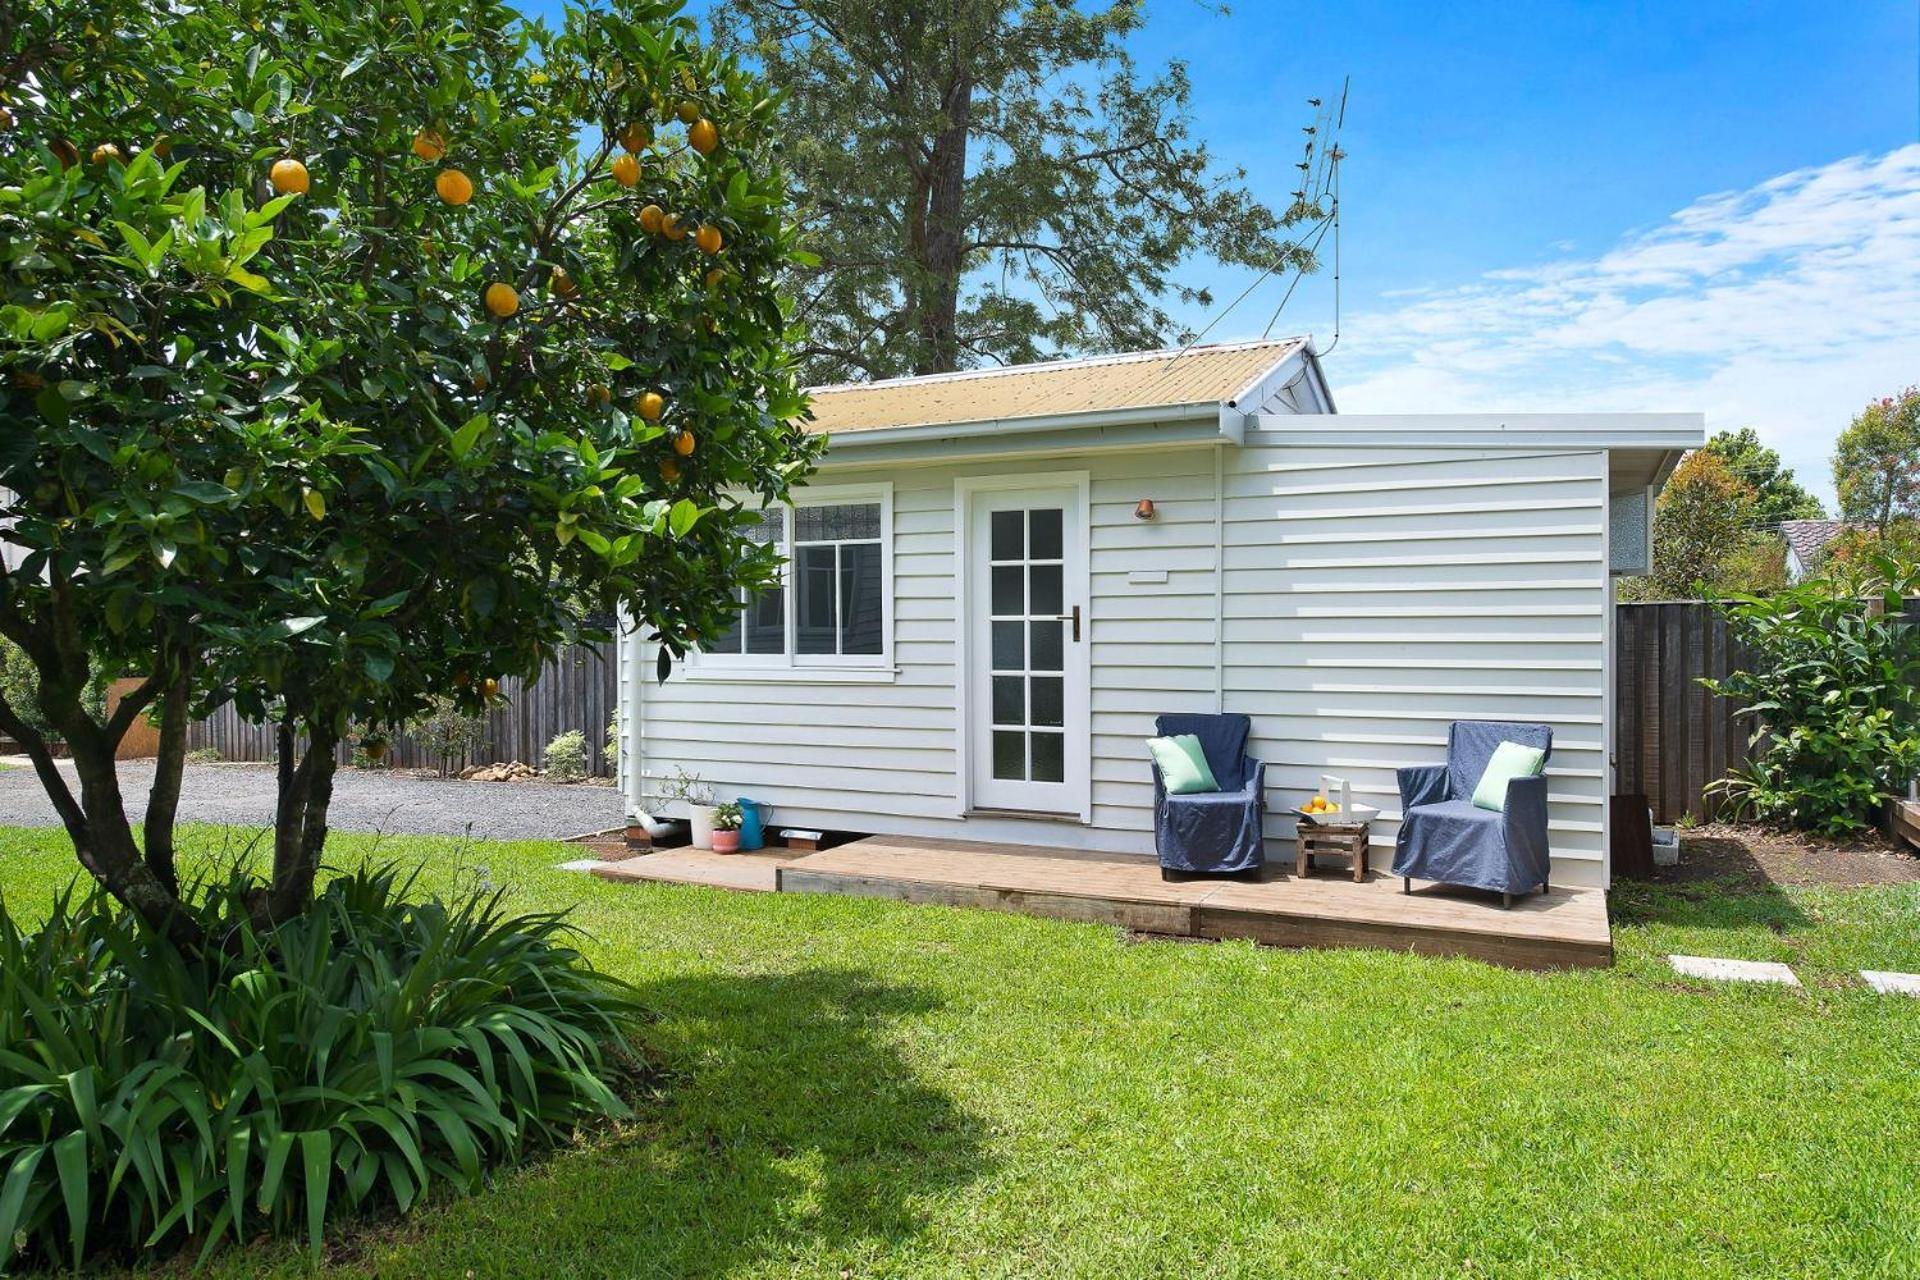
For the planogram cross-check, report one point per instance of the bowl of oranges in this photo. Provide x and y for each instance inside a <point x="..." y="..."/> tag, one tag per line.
<point x="1322" y="808"/>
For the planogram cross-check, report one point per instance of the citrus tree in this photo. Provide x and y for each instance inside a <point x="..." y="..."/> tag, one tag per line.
<point x="358" y="352"/>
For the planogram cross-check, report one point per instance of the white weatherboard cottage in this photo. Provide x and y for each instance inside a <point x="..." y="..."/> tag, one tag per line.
<point x="998" y="579"/>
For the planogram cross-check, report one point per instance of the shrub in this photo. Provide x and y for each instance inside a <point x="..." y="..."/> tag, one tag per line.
<point x="566" y="758"/>
<point x="613" y="743"/>
<point x="1831" y="689"/>
<point x="449" y="731"/>
<point x="205" y="755"/>
<point x="348" y="1060"/>
<point x="20" y="687"/>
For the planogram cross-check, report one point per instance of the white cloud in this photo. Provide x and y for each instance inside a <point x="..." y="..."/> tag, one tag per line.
<point x="1785" y="307"/>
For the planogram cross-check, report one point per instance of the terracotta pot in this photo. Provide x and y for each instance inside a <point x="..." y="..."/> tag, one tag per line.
<point x="726" y="842"/>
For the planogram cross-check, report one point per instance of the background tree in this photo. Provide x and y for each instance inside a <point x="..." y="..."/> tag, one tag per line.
<point x="1876" y="461"/>
<point x="354" y="353"/>
<point x="1777" y="495"/>
<point x="1703" y="517"/>
<point x="994" y="181"/>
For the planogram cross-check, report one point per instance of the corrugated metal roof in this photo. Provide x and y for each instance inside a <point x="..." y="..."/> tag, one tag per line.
<point x="1151" y="379"/>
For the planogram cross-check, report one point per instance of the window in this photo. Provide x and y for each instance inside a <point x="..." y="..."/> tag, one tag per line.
<point x="834" y="603"/>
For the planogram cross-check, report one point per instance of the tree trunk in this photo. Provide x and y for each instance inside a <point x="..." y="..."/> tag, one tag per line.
<point x="943" y="235"/>
<point x="300" y="818"/>
<point x="163" y="797"/>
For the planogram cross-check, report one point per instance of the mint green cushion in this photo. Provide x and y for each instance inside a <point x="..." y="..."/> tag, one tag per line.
<point x="1183" y="765"/>
<point x="1510" y="760"/>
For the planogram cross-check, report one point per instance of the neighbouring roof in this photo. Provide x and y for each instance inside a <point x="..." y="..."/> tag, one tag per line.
<point x="1152" y="379"/>
<point x="1809" y="538"/>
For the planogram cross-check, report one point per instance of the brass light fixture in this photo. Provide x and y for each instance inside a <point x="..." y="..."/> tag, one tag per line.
<point x="1143" y="510"/>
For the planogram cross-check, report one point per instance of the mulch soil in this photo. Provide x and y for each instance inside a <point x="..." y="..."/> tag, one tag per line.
<point x="1752" y="857"/>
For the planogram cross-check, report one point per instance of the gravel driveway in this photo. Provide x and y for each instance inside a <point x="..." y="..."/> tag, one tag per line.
<point x="363" y="800"/>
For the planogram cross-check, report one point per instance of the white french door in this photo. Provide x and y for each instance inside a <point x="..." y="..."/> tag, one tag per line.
<point x="1026" y="670"/>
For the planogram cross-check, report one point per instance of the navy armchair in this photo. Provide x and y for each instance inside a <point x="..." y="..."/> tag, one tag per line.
<point x="1216" y="832"/>
<point x="1445" y="838"/>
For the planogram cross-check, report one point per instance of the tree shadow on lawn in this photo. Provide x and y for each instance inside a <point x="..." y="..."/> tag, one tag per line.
<point x="786" y="1126"/>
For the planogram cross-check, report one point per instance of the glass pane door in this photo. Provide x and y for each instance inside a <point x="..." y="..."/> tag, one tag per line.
<point x="1027" y="665"/>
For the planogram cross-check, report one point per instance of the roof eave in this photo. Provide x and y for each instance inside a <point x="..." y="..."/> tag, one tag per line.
<point x="877" y="437"/>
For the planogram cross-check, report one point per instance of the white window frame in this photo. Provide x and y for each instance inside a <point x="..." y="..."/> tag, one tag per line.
<point x="816" y="668"/>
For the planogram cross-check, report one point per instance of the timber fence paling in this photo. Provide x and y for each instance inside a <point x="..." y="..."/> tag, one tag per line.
<point x="576" y="690"/>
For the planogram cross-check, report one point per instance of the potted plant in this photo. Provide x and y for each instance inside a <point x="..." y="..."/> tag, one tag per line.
<point x="726" y="828"/>
<point x="684" y="788"/>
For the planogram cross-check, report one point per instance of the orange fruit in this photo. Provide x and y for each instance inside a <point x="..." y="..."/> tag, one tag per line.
<point x="683" y="443"/>
<point x="708" y="238"/>
<point x="562" y="284"/>
<point x="461" y="679"/>
<point x="650" y="405"/>
<point x="715" y="276"/>
<point x="162" y="147"/>
<point x="688" y="112"/>
<point x="502" y="299"/>
<point x="289" y="177"/>
<point x="63" y="151"/>
<point x="626" y="170"/>
<point x="429" y="144"/>
<point x="6" y="118"/>
<point x="599" y="396"/>
<point x="652" y="218"/>
<point x="490" y="686"/>
<point x="454" y="186"/>
<point x="635" y="136"/>
<point x="702" y="136"/>
<point x="107" y="151"/>
<point x="672" y="228"/>
<point x="669" y="470"/>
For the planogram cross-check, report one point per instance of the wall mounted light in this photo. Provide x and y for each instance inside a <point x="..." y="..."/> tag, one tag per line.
<point x="1143" y="510"/>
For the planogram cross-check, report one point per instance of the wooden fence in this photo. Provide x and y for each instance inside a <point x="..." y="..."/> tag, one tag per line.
<point x="1672" y="738"/>
<point x="576" y="691"/>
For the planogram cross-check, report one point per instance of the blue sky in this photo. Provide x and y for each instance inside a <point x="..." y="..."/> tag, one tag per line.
<point x="1701" y="206"/>
<point x="1678" y="204"/>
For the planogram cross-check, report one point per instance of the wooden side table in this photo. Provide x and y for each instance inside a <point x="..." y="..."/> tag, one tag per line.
<point x="1347" y="839"/>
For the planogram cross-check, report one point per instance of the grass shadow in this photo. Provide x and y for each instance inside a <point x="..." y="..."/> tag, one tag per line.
<point x="784" y="1129"/>
<point x="1719" y="884"/>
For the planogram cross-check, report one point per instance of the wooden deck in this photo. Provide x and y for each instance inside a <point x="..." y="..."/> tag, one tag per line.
<point x="1561" y="929"/>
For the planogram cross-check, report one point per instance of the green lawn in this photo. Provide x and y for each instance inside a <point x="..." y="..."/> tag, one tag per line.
<point x="861" y="1088"/>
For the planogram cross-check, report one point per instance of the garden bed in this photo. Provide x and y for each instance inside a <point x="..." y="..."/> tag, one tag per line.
<point x="1749" y="857"/>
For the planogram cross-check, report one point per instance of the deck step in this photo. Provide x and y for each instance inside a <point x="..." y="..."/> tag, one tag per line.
<point x="1564" y="928"/>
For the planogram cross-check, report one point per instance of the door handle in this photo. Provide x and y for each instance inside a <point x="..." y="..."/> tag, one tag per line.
<point x="1074" y="618"/>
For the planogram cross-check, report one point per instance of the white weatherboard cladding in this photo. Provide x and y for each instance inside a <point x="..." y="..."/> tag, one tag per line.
<point x="1369" y="596"/>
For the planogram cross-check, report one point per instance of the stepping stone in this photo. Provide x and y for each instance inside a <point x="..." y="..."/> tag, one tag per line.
<point x="1733" y="970"/>
<point x="580" y="864"/>
<point x="1892" y="984"/>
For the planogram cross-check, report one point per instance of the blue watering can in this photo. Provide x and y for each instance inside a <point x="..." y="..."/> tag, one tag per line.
<point x="753" y="829"/>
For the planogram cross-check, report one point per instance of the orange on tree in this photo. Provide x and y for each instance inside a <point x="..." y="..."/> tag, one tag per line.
<point x="669" y="470"/>
<point x="626" y="171"/>
<point x="687" y="111"/>
<point x="65" y="152"/>
<point x="490" y="686"/>
<point x="708" y="238"/>
<point x="714" y="276"/>
<point x="562" y="284"/>
<point x="650" y="405"/>
<point x="683" y="443"/>
<point x="652" y="218"/>
<point x="429" y="144"/>
<point x="289" y="177"/>
<point x="454" y="186"/>
<point x="502" y="299"/>
<point x="107" y="151"/>
<point x="635" y="136"/>
<point x="461" y="679"/>
<point x="599" y="395"/>
<point x="6" y="118"/>
<point x="672" y="228"/>
<point x="162" y="147"/>
<point x="702" y="136"/>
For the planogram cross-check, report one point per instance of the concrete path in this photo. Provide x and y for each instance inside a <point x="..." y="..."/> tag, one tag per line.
<point x="363" y="800"/>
